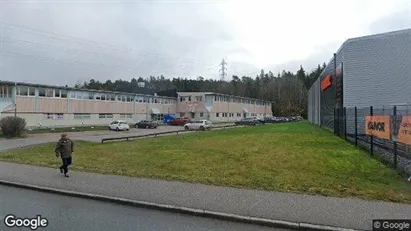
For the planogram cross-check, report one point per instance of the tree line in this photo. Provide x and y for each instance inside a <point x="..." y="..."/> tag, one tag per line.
<point x="287" y="90"/>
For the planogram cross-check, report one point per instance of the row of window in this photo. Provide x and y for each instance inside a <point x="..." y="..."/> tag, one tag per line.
<point x="225" y="99"/>
<point x="188" y="98"/>
<point x="83" y="116"/>
<point x="57" y="93"/>
<point x="233" y="114"/>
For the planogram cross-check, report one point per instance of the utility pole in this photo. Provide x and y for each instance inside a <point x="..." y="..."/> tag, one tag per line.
<point x="223" y="70"/>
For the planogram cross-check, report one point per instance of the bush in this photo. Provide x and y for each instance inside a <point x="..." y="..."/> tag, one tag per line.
<point x="12" y="126"/>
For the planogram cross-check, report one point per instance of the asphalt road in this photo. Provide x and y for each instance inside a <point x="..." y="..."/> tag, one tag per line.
<point x="69" y="213"/>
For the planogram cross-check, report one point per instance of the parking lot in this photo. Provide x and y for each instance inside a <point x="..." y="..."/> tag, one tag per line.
<point x="92" y="136"/>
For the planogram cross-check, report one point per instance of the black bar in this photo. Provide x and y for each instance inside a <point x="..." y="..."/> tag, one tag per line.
<point x="335" y="121"/>
<point x="356" y="129"/>
<point x="345" y="123"/>
<point x="371" y="137"/>
<point x="395" y="142"/>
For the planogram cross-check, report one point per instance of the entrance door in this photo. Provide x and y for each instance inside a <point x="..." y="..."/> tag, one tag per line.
<point x="244" y="115"/>
<point x="193" y="115"/>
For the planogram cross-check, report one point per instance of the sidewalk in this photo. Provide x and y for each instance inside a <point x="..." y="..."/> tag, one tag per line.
<point x="345" y="213"/>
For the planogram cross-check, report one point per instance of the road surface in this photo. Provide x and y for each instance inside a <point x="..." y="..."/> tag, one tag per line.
<point x="70" y="213"/>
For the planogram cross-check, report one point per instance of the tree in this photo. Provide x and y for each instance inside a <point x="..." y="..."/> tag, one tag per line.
<point x="287" y="90"/>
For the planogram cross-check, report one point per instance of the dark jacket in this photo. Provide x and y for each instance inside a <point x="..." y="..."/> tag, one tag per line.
<point x="64" y="147"/>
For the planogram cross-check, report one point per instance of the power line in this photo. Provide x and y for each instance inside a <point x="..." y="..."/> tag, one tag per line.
<point x="85" y="41"/>
<point x="60" y="61"/>
<point x="223" y="70"/>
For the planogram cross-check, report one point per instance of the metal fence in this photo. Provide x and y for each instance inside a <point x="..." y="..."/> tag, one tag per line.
<point x="385" y="132"/>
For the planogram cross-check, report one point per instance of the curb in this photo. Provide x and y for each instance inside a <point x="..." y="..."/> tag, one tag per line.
<point x="180" y="209"/>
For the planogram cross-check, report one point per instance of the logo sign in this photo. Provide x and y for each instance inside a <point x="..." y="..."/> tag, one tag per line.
<point x="378" y="126"/>
<point x="404" y="134"/>
<point x="326" y="83"/>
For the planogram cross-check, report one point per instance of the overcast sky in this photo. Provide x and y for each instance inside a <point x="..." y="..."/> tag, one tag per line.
<point x="58" y="42"/>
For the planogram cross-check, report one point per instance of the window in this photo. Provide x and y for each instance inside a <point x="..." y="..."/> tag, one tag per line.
<point x="238" y="114"/>
<point x="129" y="98"/>
<point x="57" y="116"/>
<point x="91" y="96"/>
<point x="182" y="114"/>
<point x="112" y="97"/>
<point x="32" y="91"/>
<point x="201" y="114"/>
<point x="98" y="97"/>
<point x="217" y="114"/>
<point x="105" y="116"/>
<point x="57" y="93"/>
<point x="81" y="116"/>
<point x="199" y="98"/>
<point x="42" y="92"/>
<point x="49" y="92"/>
<point x="103" y="97"/>
<point x="126" y="116"/>
<point x="189" y="98"/>
<point x="24" y="91"/>
<point x="63" y="93"/>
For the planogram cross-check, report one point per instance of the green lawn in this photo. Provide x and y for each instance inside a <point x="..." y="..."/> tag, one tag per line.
<point x="291" y="157"/>
<point x="58" y="130"/>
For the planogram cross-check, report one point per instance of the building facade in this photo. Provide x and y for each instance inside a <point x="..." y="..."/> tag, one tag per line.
<point x="53" y="106"/>
<point x="220" y="107"/>
<point x="367" y="71"/>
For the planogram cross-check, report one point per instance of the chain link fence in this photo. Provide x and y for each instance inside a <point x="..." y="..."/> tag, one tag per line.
<point x="384" y="131"/>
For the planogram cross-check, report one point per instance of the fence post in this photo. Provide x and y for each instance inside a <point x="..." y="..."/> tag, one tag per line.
<point x="356" y="129"/>
<point x="371" y="137"/>
<point x="395" y="141"/>
<point x="345" y="123"/>
<point x="335" y="121"/>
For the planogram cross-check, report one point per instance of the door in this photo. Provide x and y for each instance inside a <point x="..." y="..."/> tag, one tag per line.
<point x="193" y="115"/>
<point x="244" y="115"/>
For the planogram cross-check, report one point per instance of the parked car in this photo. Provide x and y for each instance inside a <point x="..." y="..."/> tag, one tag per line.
<point x="269" y="120"/>
<point x="146" y="124"/>
<point x="180" y="121"/>
<point x="119" y="125"/>
<point x="261" y="120"/>
<point x="199" y="125"/>
<point x="248" y="121"/>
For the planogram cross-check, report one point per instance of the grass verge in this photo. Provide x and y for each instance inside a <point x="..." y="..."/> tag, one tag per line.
<point x="291" y="157"/>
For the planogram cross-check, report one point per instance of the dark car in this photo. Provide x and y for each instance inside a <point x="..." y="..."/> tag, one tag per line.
<point x="146" y="124"/>
<point x="248" y="121"/>
<point x="180" y="121"/>
<point x="270" y="120"/>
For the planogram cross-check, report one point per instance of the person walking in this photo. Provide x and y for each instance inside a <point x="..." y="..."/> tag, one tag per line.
<point x="64" y="149"/>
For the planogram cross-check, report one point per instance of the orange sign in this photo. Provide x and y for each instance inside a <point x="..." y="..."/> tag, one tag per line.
<point x="404" y="134"/>
<point x="378" y="126"/>
<point x="326" y="83"/>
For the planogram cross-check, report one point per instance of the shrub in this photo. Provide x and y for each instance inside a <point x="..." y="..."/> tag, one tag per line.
<point x="12" y="126"/>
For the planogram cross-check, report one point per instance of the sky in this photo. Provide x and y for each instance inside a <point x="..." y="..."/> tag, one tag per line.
<point x="66" y="42"/>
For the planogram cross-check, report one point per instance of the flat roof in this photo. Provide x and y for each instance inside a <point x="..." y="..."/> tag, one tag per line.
<point x="80" y="89"/>
<point x="365" y="37"/>
<point x="220" y="94"/>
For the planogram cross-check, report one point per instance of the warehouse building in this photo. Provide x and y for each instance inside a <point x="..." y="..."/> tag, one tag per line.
<point x="53" y="106"/>
<point x="220" y="107"/>
<point x="367" y="71"/>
